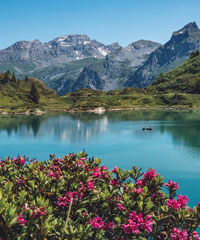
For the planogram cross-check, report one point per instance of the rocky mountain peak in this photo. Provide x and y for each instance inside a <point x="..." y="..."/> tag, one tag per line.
<point x="36" y="43"/>
<point x="20" y="45"/>
<point x="191" y="26"/>
<point x="143" y="44"/>
<point x="72" y="39"/>
<point x="112" y="47"/>
<point x="187" y="30"/>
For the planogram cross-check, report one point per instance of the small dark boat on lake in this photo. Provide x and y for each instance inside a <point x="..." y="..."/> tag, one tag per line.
<point x="147" y="129"/>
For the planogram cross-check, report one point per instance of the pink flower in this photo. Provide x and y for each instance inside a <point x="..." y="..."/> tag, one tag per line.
<point x="120" y="207"/>
<point x="114" y="182"/>
<point x="63" y="201"/>
<point x="172" y="185"/>
<point x="19" y="160"/>
<point x="194" y="235"/>
<point x="140" y="182"/>
<point x="83" y="158"/>
<point x="114" y="170"/>
<point x="150" y="174"/>
<point x="179" y="203"/>
<point x="97" y="223"/>
<point x="81" y="188"/>
<point x="21" y="220"/>
<point x="105" y="175"/>
<point x="104" y="168"/>
<point x="177" y="234"/>
<point x="38" y="212"/>
<point x="56" y="172"/>
<point x="80" y="164"/>
<point x="96" y="173"/>
<point x="90" y="185"/>
<point x="108" y="226"/>
<point x="51" y="174"/>
<point x="136" y="224"/>
<point x="138" y="191"/>
<point x="131" y="227"/>
<point x="182" y="200"/>
<point x="85" y="214"/>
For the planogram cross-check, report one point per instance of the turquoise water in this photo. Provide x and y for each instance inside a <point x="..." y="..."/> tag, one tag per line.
<point x="172" y="148"/>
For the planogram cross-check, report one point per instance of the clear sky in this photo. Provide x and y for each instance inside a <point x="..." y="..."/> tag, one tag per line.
<point x="107" y="21"/>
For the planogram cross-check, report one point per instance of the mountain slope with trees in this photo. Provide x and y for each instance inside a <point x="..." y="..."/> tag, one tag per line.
<point x="21" y="95"/>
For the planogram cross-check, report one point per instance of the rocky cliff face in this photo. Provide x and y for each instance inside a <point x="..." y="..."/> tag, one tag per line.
<point x="135" y="53"/>
<point x="168" y="56"/>
<point x="113" y="71"/>
<point x="27" y="56"/>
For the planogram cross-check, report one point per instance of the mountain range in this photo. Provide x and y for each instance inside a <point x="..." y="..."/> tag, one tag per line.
<point x="72" y="62"/>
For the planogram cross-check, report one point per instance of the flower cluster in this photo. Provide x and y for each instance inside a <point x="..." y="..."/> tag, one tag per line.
<point x="21" y="220"/>
<point x="178" y="234"/>
<point x="78" y="198"/>
<point x="136" y="224"/>
<point x="172" y="185"/>
<point x="38" y="212"/>
<point x="98" y="223"/>
<point x="150" y="174"/>
<point x="179" y="203"/>
<point x="63" y="201"/>
<point x="55" y="171"/>
<point x="19" y="160"/>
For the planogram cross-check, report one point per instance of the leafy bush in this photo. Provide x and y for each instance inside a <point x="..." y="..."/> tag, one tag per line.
<point x="75" y="198"/>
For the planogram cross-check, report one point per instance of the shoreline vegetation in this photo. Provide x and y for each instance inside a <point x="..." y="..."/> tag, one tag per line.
<point x="88" y="100"/>
<point x="77" y="197"/>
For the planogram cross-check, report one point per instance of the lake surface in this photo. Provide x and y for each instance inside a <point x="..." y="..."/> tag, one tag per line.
<point x="172" y="148"/>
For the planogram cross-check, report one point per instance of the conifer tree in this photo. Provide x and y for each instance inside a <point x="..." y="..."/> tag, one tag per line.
<point x="14" y="78"/>
<point x="34" y="93"/>
<point x="7" y="77"/>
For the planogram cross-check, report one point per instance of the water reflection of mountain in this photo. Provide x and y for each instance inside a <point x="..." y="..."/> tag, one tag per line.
<point x="62" y="126"/>
<point x="184" y="126"/>
<point x="16" y="124"/>
<point x="74" y="130"/>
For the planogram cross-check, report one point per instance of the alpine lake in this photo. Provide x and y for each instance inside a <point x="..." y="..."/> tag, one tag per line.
<point x="172" y="148"/>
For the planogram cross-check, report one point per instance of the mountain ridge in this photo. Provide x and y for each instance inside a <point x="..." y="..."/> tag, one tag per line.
<point x="168" y="56"/>
<point x="73" y="61"/>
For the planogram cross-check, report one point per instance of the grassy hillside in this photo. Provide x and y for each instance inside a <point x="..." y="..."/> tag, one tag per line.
<point x="15" y="94"/>
<point x="86" y="99"/>
<point x="183" y="79"/>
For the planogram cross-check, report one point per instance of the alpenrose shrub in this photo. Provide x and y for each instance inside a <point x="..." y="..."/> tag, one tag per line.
<point x="75" y="198"/>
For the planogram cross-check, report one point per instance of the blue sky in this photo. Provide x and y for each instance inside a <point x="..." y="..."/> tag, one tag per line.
<point x="107" y="21"/>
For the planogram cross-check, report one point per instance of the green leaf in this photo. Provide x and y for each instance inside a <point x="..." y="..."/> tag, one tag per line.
<point x="118" y="220"/>
<point x="140" y="205"/>
<point x="149" y="205"/>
